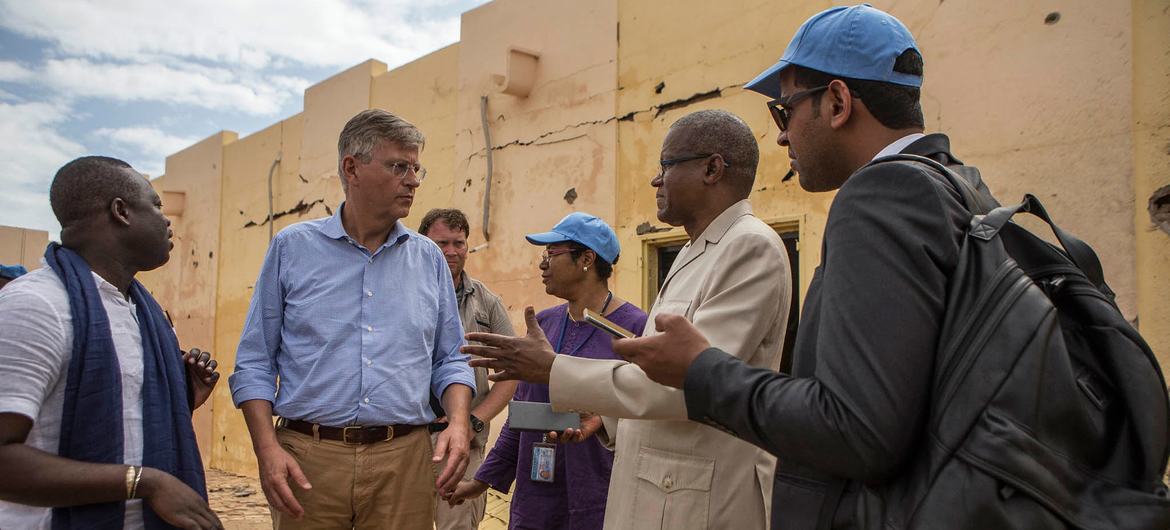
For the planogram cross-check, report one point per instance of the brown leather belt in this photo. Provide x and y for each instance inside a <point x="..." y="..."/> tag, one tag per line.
<point x="353" y="434"/>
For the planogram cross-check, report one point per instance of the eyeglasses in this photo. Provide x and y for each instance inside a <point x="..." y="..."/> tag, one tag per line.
<point x="781" y="109"/>
<point x="664" y="165"/>
<point x="399" y="170"/>
<point x="550" y="252"/>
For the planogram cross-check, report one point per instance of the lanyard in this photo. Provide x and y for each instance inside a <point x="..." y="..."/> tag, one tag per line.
<point x="565" y="325"/>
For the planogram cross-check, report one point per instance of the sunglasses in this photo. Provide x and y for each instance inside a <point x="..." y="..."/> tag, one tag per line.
<point x="781" y="109"/>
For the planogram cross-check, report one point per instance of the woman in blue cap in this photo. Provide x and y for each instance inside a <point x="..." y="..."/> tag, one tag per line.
<point x="563" y="485"/>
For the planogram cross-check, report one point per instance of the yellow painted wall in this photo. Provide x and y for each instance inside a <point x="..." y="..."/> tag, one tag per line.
<point x="560" y="137"/>
<point x="423" y="92"/>
<point x="1151" y="154"/>
<point x="700" y="68"/>
<point x="1073" y="110"/>
<point x="22" y="246"/>
<point x="243" y="242"/>
<point x="186" y="286"/>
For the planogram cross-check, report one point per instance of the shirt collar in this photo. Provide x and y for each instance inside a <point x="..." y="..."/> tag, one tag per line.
<point x="898" y="145"/>
<point x="721" y="224"/>
<point x="467" y="286"/>
<point x="333" y="229"/>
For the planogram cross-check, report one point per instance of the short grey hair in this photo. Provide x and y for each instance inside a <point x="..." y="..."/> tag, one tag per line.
<point x="367" y="130"/>
<point x="719" y="131"/>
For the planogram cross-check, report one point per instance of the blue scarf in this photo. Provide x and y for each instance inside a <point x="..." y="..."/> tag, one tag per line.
<point x="91" y="419"/>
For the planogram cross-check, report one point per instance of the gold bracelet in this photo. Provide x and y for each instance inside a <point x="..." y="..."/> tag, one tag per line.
<point x="134" y="488"/>
<point x="130" y="482"/>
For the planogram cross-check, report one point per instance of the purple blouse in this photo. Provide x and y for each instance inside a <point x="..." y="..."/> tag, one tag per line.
<point x="576" y="498"/>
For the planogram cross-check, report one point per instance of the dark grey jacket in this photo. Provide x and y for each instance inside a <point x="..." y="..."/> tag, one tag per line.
<point x="853" y="411"/>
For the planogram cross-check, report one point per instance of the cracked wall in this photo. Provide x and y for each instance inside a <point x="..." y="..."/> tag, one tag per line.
<point x="1074" y="108"/>
<point x="668" y="68"/>
<point x="562" y="136"/>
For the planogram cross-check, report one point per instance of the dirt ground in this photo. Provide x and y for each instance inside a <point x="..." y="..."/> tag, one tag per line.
<point x="240" y="503"/>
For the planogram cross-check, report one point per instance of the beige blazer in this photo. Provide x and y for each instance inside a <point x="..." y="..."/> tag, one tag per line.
<point x="733" y="283"/>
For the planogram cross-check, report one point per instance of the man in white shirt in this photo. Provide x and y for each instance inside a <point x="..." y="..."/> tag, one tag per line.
<point x="112" y="228"/>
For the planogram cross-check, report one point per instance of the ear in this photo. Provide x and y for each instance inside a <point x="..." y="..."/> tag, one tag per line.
<point x="349" y="169"/>
<point x="119" y="211"/>
<point x="840" y="101"/>
<point x="714" y="169"/>
<point x="588" y="258"/>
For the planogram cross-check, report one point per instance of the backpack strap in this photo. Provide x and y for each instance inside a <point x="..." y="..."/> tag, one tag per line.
<point x="989" y="220"/>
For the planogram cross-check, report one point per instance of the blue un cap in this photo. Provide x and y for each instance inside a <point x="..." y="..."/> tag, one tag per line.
<point x="12" y="272"/>
<point x="588" y="230"/>
<point x="857" y="42"/>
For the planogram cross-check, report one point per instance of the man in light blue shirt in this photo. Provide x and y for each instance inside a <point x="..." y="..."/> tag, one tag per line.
<point x="357" y="317"/>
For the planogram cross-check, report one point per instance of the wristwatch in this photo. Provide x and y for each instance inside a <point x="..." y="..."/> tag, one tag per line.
<point x="477" y="424"/>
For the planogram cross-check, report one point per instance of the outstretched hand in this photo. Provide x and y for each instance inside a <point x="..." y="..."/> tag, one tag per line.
<point x="667" y="356"/>
<point x="527" y="358"/>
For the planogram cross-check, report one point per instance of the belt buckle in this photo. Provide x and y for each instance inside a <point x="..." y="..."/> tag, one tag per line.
<point x="345" y="433"/>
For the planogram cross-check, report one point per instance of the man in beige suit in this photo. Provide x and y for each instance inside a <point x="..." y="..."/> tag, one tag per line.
<point x="731" y="280"/>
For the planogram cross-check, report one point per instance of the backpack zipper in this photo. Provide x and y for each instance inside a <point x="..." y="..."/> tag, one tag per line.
<point x="1013" y="289"/>
<point x="980" y="304"/>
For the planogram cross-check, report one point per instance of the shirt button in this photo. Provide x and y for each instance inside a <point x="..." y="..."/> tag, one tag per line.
<point x="369" y="293"/>
<point x="367" y="400"/>
<point x="369" y="328"/>
<point x="667" y="483"/>
<point x="369" y="362"/>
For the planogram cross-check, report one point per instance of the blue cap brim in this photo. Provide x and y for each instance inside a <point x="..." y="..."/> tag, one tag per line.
<point x="546" y="238"/>
<point x="768" y="82"/>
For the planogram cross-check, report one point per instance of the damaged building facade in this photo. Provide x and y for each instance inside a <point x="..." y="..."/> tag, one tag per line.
<point x="546" y="107"/>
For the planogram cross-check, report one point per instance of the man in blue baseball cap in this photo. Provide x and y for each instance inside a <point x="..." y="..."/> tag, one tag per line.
<point x="849" y="418"/>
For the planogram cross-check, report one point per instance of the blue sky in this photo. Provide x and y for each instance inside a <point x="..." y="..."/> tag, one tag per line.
<point x="139" y="80"/>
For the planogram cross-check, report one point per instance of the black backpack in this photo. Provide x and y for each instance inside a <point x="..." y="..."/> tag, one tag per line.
<point x="1048" y="408"/>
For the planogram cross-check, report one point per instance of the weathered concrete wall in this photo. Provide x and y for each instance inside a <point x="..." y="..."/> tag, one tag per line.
<point x="667" y="69"/>
<point x="560" y="137"/>
<point x="1037" y="95"/>
<point x="186" y="287"/>
<point x="243" y="242"/>
<point x="22" y="246"/>
<point x="1072" y="108"/>
<point x="1151" y="162"/>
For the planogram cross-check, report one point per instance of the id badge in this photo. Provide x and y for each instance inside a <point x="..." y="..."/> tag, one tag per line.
<point x="544" y="462"/>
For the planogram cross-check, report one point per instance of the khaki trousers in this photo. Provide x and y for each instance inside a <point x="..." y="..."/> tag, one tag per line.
<point x="381" y="485"/>
<point x="468" y="515"/>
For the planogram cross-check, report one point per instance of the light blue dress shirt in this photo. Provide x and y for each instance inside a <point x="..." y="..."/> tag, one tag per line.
<point x="356" y="338"/>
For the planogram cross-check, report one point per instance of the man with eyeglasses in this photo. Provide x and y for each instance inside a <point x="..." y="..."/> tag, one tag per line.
<point x="356" y="316"/>
<point x="851" y="417"/>
<point x="732" y="280"/>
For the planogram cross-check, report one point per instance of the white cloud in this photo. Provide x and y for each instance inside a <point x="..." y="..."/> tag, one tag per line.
<point x="30" y="154"/>
<point x="188" y="84"/>
<point x="244" y="57"/>
<point x="14" y="71"/>
<point x="252" y="34"/>
<point x="152" y="144"/>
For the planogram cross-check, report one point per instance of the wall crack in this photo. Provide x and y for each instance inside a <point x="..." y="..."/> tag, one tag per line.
<point x="300" y="209"/>
<point x="658" y="110"/>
